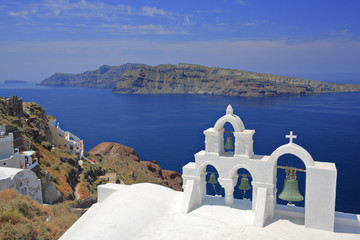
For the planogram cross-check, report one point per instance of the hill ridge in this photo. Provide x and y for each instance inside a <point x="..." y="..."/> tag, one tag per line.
<point x="185" y="78"/>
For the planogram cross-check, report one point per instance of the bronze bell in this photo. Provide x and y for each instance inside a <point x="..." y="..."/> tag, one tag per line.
<point x="229" y="144"/>
<point x="291" y="191"/>
<point x="244" y="184"/>
<point x="212" y="179"/>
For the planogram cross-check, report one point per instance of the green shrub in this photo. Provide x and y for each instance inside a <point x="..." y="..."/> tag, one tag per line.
<point x="46" y="145"/>
<point x="55" y="167"/>
<point x="46" y="163"/>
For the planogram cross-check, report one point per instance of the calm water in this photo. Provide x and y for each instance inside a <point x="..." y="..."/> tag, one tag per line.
<point x="169" y="128"/>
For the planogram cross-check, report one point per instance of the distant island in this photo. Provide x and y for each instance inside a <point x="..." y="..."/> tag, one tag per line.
<point x="193" y="79"/>
<point x="14" y="81"/>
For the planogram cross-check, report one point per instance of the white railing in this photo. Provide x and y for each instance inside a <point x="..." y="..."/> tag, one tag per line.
<point x="32" y="165"/>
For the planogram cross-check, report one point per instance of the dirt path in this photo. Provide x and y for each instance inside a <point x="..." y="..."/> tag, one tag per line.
<point x="111" y="177"/>
<point x="77" y="194"/>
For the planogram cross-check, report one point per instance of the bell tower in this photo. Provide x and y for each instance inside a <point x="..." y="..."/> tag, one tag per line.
<point x="319" y="209"/>
<point x="214" y="137"/>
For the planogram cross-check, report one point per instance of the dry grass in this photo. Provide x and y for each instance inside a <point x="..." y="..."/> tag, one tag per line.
<point x="24" y="218"/>
<point x="53" y="159"/>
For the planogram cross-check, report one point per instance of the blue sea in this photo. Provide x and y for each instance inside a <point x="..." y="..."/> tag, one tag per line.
<point x="169" y="128"/>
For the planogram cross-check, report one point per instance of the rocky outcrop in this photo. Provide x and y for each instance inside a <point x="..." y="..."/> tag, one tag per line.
<point x="115" y="150"/>
<point x="50" y="193"/>
<point x="14" y="82"/>
<point x="130" y="169"/>
<point x="11" y="106"/>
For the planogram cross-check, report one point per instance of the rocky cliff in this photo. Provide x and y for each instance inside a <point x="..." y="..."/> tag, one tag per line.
<point x="193" y="79"/>
<point x="130" y="169"/>
<point x="196" y="79"/>
<point x="104" y="77"/>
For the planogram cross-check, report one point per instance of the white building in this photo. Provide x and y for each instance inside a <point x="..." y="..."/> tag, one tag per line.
<point x="149" y="211"/>
<point x="66" y="140"/>
<point x="10" y="157"/>
<point x="22" y="180"/>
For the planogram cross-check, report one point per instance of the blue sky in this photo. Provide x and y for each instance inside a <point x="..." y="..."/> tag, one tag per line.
<point x="39" y="38"/>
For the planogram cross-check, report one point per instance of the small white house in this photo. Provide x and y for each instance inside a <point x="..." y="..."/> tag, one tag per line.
<point x="66" y="140"/>
<point x="10" y="157"/>
<point x="22" y="180"/>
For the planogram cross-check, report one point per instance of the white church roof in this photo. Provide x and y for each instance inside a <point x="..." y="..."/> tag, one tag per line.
<point x="149" y="211"/>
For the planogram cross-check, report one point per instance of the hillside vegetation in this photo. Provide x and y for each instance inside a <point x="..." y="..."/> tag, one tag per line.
<point x="193" y="79"/>
<point x="24" y="218"/>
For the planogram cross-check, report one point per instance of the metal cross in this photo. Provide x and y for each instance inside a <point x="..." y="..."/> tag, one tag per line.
<point x="291" y="136"/>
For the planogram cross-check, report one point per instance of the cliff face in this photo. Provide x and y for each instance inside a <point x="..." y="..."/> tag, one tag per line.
<point x="193" y="79"/>
<point x="104" y="77"/>
<point x="130" y="169"/>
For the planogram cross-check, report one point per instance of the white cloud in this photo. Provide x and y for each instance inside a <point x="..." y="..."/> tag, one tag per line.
<point x="86" y="9"/>
<point x="188" y="20"/>
<point x="248" y="24"/>
<point x="148" y="29"/>
<point x="242" y="2"/>
<point x="23" y="13"/>
<point x="152" y="11"/>
<point x="344" y="32"/>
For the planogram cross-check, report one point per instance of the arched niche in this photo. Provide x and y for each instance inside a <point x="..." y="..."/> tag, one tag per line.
<point x="292" y="161"/>
<point x="234" y="170"/>
<point x="320" y="186"/>
<point x="234" y="175"/>
<point x="293" y="149"/>
<point x="231" y="118"/>
<point x="304" y="156"/>
<point x="201" y="170"/>
<point x="214" y="137"/>
<point x="201" y="173"/>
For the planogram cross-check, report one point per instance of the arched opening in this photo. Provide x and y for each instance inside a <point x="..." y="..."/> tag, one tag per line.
<point x="229" y="138"/>
<point x="291" y="186"/>
<point x="213" y="188"/>
<point x="289" y="160"/>
<point x="243" y="190"/>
